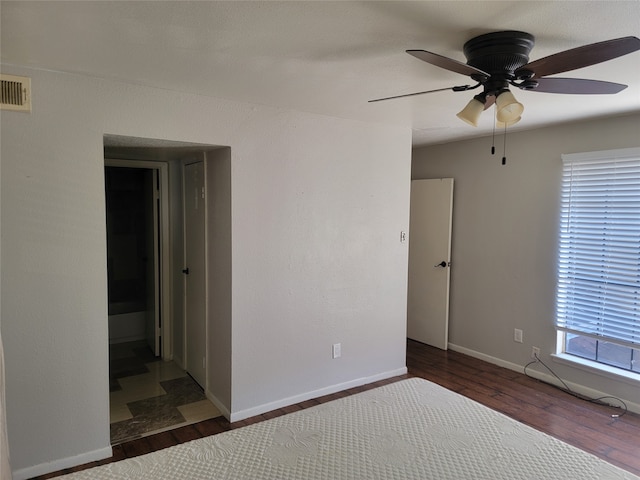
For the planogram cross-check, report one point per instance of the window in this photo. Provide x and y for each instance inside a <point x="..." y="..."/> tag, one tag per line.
<point x="598" y="296"/>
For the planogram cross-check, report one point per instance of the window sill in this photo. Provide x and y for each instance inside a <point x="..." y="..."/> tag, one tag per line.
<point x="603" y="370"/>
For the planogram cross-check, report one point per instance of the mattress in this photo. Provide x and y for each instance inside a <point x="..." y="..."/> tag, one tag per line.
<point x="409" y="430"/>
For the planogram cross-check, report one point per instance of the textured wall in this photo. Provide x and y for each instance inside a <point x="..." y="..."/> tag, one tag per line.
<point x="317" y="207"/>
<point x="505" y="227"/>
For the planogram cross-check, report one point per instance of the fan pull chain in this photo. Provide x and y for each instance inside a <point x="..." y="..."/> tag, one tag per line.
<point x="504" y="146"/>
<point x="493" y="137"/>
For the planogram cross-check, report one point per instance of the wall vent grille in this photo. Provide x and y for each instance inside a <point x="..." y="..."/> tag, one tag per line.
<point x="15" y="93"/>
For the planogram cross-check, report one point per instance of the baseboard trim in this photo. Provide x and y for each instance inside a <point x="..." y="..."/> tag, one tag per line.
<point x="44" y="468"/>
<point x="486" y="358"/>
<point x="267" y="407"/>
<point x="218" y="404"/>
<point x="545" y="377"/>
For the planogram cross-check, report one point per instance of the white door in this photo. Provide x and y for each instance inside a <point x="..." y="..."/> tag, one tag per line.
<point x="429" y="259"/>
<point x="194" y="271"/>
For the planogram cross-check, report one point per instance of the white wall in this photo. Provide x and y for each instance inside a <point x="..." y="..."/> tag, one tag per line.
<point x="219" y="277"/>
<point x="506" y="219"/>
<point x="317" y="257"/>
<point x="317" y="207"/>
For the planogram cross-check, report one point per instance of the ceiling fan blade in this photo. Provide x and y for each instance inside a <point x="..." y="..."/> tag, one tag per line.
<point x="447" y="63"/>
<point x="455" y="89"/>
<point x="582" y="56"/>
<point x="577" y="86"/>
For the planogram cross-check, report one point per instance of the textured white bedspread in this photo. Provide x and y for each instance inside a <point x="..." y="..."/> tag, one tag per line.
<point x="409" y="430"/>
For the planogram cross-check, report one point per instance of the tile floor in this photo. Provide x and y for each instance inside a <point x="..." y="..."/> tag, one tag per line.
<point x="148" y="395"/>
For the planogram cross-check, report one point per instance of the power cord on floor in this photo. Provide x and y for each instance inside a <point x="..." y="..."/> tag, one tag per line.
<point x="565" y="388"/>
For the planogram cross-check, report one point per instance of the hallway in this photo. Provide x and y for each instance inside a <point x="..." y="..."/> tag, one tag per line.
<point x="148" y="395"/>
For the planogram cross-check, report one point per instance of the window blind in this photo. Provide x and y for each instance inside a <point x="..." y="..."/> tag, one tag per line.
<point x="599" y="256"/>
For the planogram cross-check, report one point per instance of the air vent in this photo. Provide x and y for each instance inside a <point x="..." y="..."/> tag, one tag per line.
<point x="16" y="93"/>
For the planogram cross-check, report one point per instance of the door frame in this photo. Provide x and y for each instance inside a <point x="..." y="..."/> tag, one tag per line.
<point x="166" y="323"/>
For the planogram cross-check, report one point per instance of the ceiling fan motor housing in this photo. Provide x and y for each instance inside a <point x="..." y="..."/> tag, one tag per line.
<point x="499" y="54"/>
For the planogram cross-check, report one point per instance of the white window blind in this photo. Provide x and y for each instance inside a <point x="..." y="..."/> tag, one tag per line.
<point x="599" y="259"/>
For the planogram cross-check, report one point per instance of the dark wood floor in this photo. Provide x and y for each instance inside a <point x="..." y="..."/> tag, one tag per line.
<point x="585" y="425"/>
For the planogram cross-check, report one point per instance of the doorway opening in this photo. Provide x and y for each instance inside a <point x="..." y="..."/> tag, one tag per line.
<point x="149" y="393"/>
<point x="133" y="260"/>
<point x="150" y="390"/>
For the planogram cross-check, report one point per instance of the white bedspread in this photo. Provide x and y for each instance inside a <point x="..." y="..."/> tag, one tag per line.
<point x="409" y="430"/>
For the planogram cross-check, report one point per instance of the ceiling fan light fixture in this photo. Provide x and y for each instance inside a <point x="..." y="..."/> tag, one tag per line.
<point x="500" y="124"/>
<point x="508" y="108"/>
<point x="471" y="113"/>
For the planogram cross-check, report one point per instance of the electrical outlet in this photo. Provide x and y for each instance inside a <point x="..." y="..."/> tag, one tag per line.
<point x="337" y="350"/>
<point x="517" y="335"/>
<point x="535" y="352"/>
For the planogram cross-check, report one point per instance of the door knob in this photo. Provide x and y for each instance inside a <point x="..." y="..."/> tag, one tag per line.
<point x="441" y="264"/>
<point x="186" y="271"/>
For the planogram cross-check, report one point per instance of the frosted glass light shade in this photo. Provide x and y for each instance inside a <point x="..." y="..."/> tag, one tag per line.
<point x="500" y="124"/>
<point x="509" y="109"/>
<point x="471" y="113"/>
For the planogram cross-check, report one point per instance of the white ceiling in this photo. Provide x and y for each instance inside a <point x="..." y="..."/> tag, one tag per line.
<point x="322" y="57"/>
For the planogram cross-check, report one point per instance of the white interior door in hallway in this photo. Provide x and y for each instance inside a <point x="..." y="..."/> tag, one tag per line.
<point x="429" y="261"/>
<point x="195" y="271"/>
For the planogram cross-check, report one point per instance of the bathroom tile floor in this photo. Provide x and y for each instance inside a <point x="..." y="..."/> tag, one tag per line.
<point x="148" y="395"/>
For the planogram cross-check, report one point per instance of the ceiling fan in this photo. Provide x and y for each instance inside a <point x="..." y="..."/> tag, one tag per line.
<point x="498" y="60"/>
